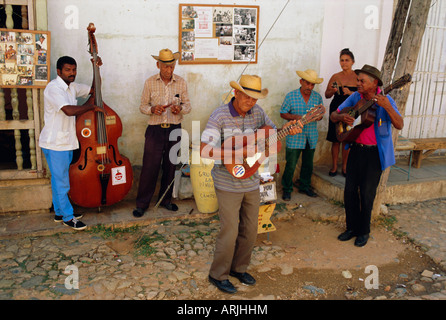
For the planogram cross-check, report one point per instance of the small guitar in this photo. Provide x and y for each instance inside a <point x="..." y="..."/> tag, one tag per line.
<point x="364" y="112"/>
<point x="264" y="139"/>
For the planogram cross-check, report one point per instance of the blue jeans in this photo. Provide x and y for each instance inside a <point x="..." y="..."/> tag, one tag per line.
<point x="59" y="165"/>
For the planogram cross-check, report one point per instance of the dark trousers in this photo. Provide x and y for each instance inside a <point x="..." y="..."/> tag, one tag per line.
<point x="363" y="174"/>
<point x="156" y="156"/>
<point x="306" y="169"/>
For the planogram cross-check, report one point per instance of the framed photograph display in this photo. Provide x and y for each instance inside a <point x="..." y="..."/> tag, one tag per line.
<point x="24" y="58"/>
<point x="218" y="33"/>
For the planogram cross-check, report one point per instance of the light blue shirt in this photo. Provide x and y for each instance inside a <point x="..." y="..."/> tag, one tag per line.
<point x="294" y="103"/>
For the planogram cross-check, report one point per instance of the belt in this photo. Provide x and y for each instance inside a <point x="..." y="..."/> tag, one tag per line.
<point x="165" y="125"/>
<point x="360" y="145"/>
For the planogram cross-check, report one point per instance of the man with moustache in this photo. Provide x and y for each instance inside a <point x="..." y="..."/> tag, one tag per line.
<point x="370" y="154"/>
<point x="296" y="104"/>
<point x="58" y="137"/>
<point x="165" y="100"/>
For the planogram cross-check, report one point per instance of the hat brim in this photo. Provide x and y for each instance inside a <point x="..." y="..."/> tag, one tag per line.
<point x="253" y="94"/>
<point x="176" y="56"/>
<point x="358" y="71"/>
<point x="305" y="76"/>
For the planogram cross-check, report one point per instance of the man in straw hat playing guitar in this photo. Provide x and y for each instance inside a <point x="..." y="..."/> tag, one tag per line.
<point x="238" y="199"/>
<point x="165" y="100"/>
<point x="370" y="153"/>
<point x="295" y="105"/>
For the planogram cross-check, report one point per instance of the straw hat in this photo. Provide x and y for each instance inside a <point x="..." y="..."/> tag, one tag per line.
<point x="310" y="75"/>
<point x="251" y="85"/>
<point x="371" y="71"/>
<point x="167" y="57"/>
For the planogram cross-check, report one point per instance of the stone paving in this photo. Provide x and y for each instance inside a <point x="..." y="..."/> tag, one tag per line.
<point x="169" y="259"/>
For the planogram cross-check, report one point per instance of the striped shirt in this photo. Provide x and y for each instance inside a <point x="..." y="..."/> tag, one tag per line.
<point x="156" y="92"/>
<point x="294" y="103"/>
<point x="223" y="123"/>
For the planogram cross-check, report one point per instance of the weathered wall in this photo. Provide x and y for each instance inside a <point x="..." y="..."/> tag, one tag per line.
<point x="309" y="34"/>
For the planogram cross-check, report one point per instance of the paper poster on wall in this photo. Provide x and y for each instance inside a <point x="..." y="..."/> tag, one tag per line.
<point x="24" y="58"/>
<point x="218" y="34"/>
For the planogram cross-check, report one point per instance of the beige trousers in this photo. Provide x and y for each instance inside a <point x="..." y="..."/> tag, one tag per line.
<point x="238" y="212"/>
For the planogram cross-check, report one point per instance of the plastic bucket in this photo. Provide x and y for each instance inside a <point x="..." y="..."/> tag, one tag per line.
<point x="203" y="184"/>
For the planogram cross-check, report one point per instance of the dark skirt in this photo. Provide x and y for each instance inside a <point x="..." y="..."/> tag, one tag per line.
<point x="338" y="99"/>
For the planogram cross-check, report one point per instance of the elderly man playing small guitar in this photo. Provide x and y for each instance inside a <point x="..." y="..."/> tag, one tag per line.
<point x="370" y="152"/>
<point x="237" y="183"/>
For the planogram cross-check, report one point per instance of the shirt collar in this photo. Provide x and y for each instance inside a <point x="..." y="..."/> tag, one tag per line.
<point x="61" y="83"/>
<point x="158" y="77"/>
<point x="232" y="110"/>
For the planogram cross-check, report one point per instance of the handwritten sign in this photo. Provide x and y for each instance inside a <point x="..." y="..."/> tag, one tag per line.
<point x="265" y="224"/>
<point x="268" y="192"/>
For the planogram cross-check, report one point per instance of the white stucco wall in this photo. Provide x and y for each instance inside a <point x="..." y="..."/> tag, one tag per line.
<point x="309" y="34"/>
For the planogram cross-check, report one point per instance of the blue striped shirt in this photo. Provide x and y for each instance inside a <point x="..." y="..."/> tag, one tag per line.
<point x="223" y="123"/>
<point x="294" y="103"/>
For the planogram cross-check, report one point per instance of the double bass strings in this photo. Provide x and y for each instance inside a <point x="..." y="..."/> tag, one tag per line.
<point x="101" y="125"/>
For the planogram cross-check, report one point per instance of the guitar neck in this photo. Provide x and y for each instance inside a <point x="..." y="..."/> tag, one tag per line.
<point x="280" y="134"/>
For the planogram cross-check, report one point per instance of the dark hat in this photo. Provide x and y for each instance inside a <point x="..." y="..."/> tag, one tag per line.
<point x="371" y="71"/>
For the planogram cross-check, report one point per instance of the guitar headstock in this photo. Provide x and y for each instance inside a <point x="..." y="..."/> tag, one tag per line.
<point x="315" y="113"/>
<point x="401" y="82"/>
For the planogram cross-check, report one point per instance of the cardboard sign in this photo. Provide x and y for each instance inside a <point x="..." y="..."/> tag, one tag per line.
<point x="268" y="192"/>
<point x="265" y="224"/>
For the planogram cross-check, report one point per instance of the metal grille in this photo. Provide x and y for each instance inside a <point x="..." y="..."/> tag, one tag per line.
<point x="425" y="115"/>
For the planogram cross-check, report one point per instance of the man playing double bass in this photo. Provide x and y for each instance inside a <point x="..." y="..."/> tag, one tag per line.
<point x="58" y="137"/>
<point x="370" y="153"/>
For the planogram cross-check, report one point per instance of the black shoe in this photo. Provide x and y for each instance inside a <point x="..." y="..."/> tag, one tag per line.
<point x="347" y="235"/>
<point x="332" y="174"/>
<point x="286" y="196"/>
<point x="244" y="277"/>
<point x="75" y="224"/>
<point x="60" y="218"/>
<point x="138" y="212"/>
<point x="224" y="285"/>
<point x="361" y="240"/>
<point x="170" y="206"/>
<point x="308" y="192"/>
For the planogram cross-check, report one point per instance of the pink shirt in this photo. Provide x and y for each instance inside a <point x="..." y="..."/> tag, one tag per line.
<point x="367" y="135"/>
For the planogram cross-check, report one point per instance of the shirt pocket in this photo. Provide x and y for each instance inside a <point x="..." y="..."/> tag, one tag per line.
<point x="383" y="128"/>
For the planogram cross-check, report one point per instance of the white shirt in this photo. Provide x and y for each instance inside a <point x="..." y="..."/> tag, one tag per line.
<point x="59" y="132"/>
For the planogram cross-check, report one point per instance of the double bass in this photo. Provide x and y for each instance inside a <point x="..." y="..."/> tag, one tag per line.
<point x="101" y="176"/>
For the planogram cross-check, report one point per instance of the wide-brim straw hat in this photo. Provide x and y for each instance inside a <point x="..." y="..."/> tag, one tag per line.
<point x="250" y="85"/>
<point x="371" y="71"/>
<point x="310" y="75"/>
<point x="166" y="56"/>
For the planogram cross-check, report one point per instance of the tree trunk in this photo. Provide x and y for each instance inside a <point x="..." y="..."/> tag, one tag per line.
<point x="407" y="58"/>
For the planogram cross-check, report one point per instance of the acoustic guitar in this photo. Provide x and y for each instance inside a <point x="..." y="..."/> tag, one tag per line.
<point x="364" y="113"/>
<point x="263" y="139"/>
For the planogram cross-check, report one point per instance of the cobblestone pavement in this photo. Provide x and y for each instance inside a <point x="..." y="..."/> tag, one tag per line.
<point x="170" y="259"/>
